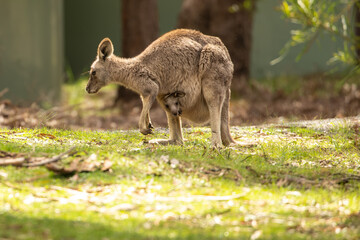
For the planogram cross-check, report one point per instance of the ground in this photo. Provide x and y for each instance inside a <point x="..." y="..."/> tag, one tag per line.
<point x="281" y="181"/>
<point x="286" y="179"/>
<point x="274" y="100"/>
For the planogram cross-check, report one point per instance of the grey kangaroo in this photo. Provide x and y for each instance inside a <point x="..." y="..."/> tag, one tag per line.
<point x="181" y="60"/>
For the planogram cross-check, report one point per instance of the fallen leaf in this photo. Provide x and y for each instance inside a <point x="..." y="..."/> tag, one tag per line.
<point x="123" y="207"/>
<point x="197" y="133"/>
<point x="164" y="158"/>
<point x="3" y="174"/>
<point x="46" y="135"/>
<point x="77" y="165"/>
<point x="293" y="193"/>
<point x="106" y="165"/>
<point x="174" y="163"/>
<point x="256" y="235"/>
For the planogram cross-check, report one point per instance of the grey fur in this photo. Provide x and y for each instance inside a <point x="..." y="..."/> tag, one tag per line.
<point x="181" y="60"/>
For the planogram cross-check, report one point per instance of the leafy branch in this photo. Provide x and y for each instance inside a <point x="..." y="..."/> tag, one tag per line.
<point x="321" y="16"/>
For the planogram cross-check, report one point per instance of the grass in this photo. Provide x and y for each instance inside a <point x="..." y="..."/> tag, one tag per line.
<point x="280" y="182"/>
<point x="287" y="182"/>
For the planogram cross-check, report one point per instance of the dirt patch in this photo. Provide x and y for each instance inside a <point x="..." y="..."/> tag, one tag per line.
<point x="313" y="100"/>
<point x="316" y="98"/>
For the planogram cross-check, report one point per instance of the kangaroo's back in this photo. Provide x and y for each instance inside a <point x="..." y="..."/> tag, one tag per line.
<point x="179" y="39"/>
<point x="175" y="58"/>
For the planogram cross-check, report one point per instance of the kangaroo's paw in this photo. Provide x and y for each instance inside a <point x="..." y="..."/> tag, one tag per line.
<point x="146" y="131"/>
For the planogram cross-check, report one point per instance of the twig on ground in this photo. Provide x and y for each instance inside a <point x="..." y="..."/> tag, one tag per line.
<point x="252" y="171"/>
<point x="193" y="198"/>
<point x="51" y="160"/>
<point x="246" y="158"/>
<point x="294" y="179"/>
<point x="238" y="175"/>
<point x="348" y="179"/>
<point x="21" y="161"/>
<point x="9" y="185"/>
<point x="12" y="161"/>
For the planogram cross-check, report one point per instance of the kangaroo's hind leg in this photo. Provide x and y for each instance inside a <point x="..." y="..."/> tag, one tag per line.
<point x="176" y="136"/>
<point x="225" y="121"/>
<point x="214" y="95"/>
<point x="215" y="68"/>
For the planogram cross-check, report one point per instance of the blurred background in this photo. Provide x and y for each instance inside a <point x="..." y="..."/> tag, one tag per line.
<point x="281" y="51"/>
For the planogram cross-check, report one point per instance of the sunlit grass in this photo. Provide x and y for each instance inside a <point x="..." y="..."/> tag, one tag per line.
<point x="283" y="181"/>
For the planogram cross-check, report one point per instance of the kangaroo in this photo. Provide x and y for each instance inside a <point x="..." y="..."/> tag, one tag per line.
<point x="172" y="103"/>
<point x="183" y="60"/>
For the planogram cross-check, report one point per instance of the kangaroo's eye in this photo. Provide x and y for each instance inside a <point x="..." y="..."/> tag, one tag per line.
<point x="167" y="106"/>
<point x="93" y="73"/>
<point x="177" y="104"/>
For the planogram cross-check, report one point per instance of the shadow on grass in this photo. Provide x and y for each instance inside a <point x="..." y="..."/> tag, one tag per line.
<point x="23" y="227"/>
<point x="260" y="169"/>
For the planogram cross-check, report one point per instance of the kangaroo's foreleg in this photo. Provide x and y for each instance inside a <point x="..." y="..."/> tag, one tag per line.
<point x="148" y="96"/>
<point x="147" y="117"/>
<point x="148" y="121"/>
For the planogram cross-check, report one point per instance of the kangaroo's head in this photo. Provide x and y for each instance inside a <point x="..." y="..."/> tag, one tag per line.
<point x="172" y="102"/>
<point x="99" y="71"/>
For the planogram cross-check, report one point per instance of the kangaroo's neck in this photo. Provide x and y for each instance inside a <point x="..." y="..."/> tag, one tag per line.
<point x="123" y="70"/>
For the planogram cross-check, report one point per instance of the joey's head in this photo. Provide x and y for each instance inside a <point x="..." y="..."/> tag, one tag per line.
<point x="99" y="71"/>
<point x="172" y="102"/>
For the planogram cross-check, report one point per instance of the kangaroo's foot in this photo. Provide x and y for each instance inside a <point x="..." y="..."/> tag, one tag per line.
<point x="216" y="144"/>
<point x="228" y="142"/>
<point x="232" y="144"/>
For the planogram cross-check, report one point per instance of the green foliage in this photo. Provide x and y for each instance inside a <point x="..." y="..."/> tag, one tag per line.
<point x="281" y="182"/>
<point x="315" y="17"/>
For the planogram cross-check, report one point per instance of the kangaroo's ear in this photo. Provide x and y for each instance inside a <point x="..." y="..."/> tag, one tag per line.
<point x="179" y="94"/>
<point x="105" y="49"/>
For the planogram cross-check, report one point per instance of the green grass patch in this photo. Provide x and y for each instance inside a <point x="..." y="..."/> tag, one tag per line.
<point x="278" y="183"/>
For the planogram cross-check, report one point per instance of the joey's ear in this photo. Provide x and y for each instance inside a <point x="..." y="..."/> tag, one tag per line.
<point x="179" y="94"/>
<point x="105" y="49"/>
<point x="167" y="96"/>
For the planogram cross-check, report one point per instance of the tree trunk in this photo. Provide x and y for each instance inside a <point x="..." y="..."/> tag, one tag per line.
<point x="231" y="21"/>
<point x="357" y="30"/>
<point x="139" y="28"/>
